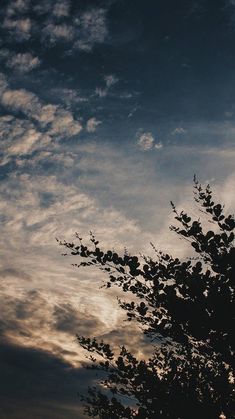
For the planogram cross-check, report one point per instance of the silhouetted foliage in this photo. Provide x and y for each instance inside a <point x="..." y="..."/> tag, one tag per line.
<point x="187" y="307"/>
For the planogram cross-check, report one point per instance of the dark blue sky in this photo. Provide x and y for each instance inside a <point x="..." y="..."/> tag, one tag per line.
<point x="108" y="108"/>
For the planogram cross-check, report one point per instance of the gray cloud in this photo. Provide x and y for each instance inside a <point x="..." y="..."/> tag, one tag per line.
<point x="17" y="7"/>
<point x="17" y="274"/>
<point x="82" y="30"/>
<point x="61" y="8"/>
<point x="69" y="320"/>
<point x="92" y="29"/>
<point x="43" y="385"/>
<point x="23" y="62"/>
<point x="20" y="29"/>
<point x="109" y="81"/>
<point x="58" y="32"/>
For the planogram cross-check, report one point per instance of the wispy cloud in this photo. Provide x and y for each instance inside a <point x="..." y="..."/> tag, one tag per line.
<point x="109" y="81"/>
<point x="179" y="131"/>
<point x="53" y="119"/>
<point x="69" y="97"/>
<point x="20" y="137"/>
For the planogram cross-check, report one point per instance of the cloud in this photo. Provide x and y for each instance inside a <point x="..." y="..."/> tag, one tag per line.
<point x="23" y="62"/>
<point x="19" y="137"/>
<point x="158" y="145"/>
<point x="64" y="124"/>
<point x="45" y="319"/>
<point x="179" y="131"/>
<point x="92" y="124"/>
<point x="69" y="320"/>
<point x="58" y="32"/>
<point x="21" y="100"/>
<point x="92" y="29"/>
<point x="81" y="30"/>
<point x="14" y="273"/>
<point x="26" y="143"/>
<point x="61" y="9"/>
<point x="44" y="385"/>
<point x="99" y="91"/>
<point x="146" y="141"/>
<point x="110" y="80"/>
<point x="69" y="97"/>
<point x="228" y="114"/>
<point x="19" y="28"/>
<point x="3" y="83"/>
<point x="57" y="121"/>
<point x="35" y="208"/>
<point x="17" y="7"/>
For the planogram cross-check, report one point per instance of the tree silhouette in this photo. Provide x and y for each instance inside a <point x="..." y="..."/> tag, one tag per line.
<point x="186" y="308"/>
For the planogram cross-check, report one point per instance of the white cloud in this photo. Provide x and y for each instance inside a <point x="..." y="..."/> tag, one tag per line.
<point x="23" y="62"/>
<point x="47" y="114"/>
<point x="21" y="100"/>
<point x="92" y="124"/>
<point x="55" y="119"/>
<point x="26" y="142"/>
<point x="158" y="146"/>
<point x="64" y="124"/>
<point x="20" y="137"/>
<point x="146" y="141"/>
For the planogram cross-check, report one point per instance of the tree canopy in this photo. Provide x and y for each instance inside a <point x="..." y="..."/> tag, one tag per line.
<point x="186" y="307"/>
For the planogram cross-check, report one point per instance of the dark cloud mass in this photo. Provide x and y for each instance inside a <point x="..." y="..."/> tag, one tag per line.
<point x="107" y="109"/>
<point x="36" y="383"/>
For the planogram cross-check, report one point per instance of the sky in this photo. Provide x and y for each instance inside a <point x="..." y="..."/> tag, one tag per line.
<point x="107" y="110"/>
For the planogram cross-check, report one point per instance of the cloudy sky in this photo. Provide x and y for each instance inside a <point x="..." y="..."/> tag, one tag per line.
<point x="108" y="108"/>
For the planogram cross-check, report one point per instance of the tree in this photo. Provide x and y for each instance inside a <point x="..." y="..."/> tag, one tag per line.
<point x="186" y="308"/>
